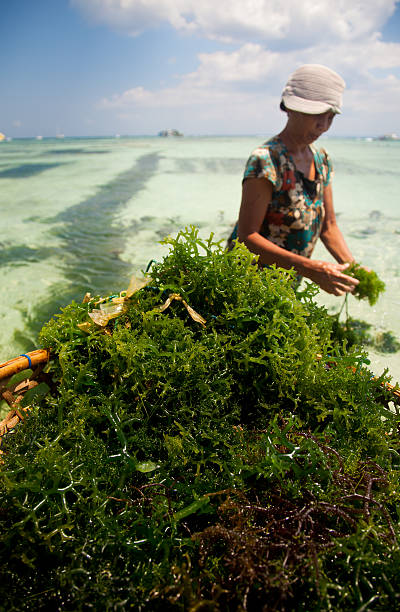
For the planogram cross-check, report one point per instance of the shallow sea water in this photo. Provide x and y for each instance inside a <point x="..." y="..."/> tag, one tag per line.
<point x="84" y="215"/>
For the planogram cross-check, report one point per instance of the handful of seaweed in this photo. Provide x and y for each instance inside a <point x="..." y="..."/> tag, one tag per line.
<point x="194" y="453"/>
<point x="370" y="285"/>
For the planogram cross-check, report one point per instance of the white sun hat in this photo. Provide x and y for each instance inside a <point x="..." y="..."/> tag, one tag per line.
<point x="313" y="89"/>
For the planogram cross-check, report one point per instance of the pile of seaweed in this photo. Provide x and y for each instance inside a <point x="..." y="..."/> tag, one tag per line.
<point x="209" y="448"/>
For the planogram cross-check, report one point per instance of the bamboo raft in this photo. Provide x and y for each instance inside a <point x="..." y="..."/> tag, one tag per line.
<point x="13" y="394"/>
<point x="35" y="361"/>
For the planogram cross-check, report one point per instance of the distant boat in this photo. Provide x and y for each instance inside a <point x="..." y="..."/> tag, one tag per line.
<point x="388" y="137"/>
<point x="59" y="135"/>
<point x="169" y="132"/>
<point x="39" y="137"/>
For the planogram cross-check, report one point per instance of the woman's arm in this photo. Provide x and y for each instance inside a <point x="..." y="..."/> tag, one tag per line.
<point x="256" y="196"/>
<point x="331" y="235"/>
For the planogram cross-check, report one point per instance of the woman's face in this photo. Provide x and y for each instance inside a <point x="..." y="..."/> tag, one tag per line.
<point x="308" y="128"/>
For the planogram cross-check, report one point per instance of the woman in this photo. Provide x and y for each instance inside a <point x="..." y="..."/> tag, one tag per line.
<point x="287" y="193"/>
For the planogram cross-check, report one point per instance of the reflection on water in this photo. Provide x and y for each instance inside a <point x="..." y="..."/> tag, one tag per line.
<point x="208" y="166"/>
<point x="26" y="170"/>
<point x="75" y="152"/>
<point x="20" y="255"/>
<point x="90" y="244"/>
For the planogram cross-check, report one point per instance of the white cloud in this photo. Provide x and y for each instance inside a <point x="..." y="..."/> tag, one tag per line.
<point x="243" y="20"/>
<point x="224" y="75"/>
<point x="244" y="84"/>
<point x="248" y="63"/>
<point x="217" y="85"/>
<point x="376" y="97"/>
<point x="352" y="58"/>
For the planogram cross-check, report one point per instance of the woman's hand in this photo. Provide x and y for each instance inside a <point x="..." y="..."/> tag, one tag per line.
<point x="330" y="277"/>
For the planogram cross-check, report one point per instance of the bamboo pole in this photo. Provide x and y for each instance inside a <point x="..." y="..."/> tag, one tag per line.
<point x="22" y="362"/>
<point x="393" y="390"/>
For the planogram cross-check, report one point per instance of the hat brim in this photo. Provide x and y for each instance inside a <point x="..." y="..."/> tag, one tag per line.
<point x="309" y="107"/>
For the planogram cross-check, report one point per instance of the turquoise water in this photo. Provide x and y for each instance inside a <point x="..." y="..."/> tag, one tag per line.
<point x="84" y="215"/>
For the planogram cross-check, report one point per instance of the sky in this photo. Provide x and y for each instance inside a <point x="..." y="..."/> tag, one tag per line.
<point x="204" y="67"/>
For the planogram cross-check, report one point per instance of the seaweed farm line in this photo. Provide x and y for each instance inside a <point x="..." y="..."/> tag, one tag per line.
<point x="86" y="214"/>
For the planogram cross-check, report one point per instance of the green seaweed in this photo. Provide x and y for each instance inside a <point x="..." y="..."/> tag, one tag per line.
<point x="251" y="462"/>
<point x="370" y="286"/>
<point x="357" y="331"/>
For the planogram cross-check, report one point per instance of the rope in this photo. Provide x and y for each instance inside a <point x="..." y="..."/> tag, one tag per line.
<point x="28" y="358"/>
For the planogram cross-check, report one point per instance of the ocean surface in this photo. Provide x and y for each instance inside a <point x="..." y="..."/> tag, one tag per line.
<point x="82" y="215"/>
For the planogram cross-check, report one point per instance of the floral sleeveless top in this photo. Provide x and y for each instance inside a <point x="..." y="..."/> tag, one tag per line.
<point x="294" y="217"/>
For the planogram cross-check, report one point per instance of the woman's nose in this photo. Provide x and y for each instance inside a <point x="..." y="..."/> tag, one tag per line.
<point x="324" y="122"/>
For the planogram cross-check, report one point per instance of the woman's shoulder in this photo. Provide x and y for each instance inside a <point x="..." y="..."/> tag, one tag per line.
<point x="264" y="160"/>
<point x="270" y="147"/>
<point x="272" y="151"/>
<point x="321" y="155"/>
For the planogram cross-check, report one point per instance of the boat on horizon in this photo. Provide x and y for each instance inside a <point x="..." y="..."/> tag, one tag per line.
<point x="170" y="132"/>
<point x="388" y="137"/>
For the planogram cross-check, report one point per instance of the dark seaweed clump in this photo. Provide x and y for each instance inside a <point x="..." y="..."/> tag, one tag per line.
<point x="249" y="463"/>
